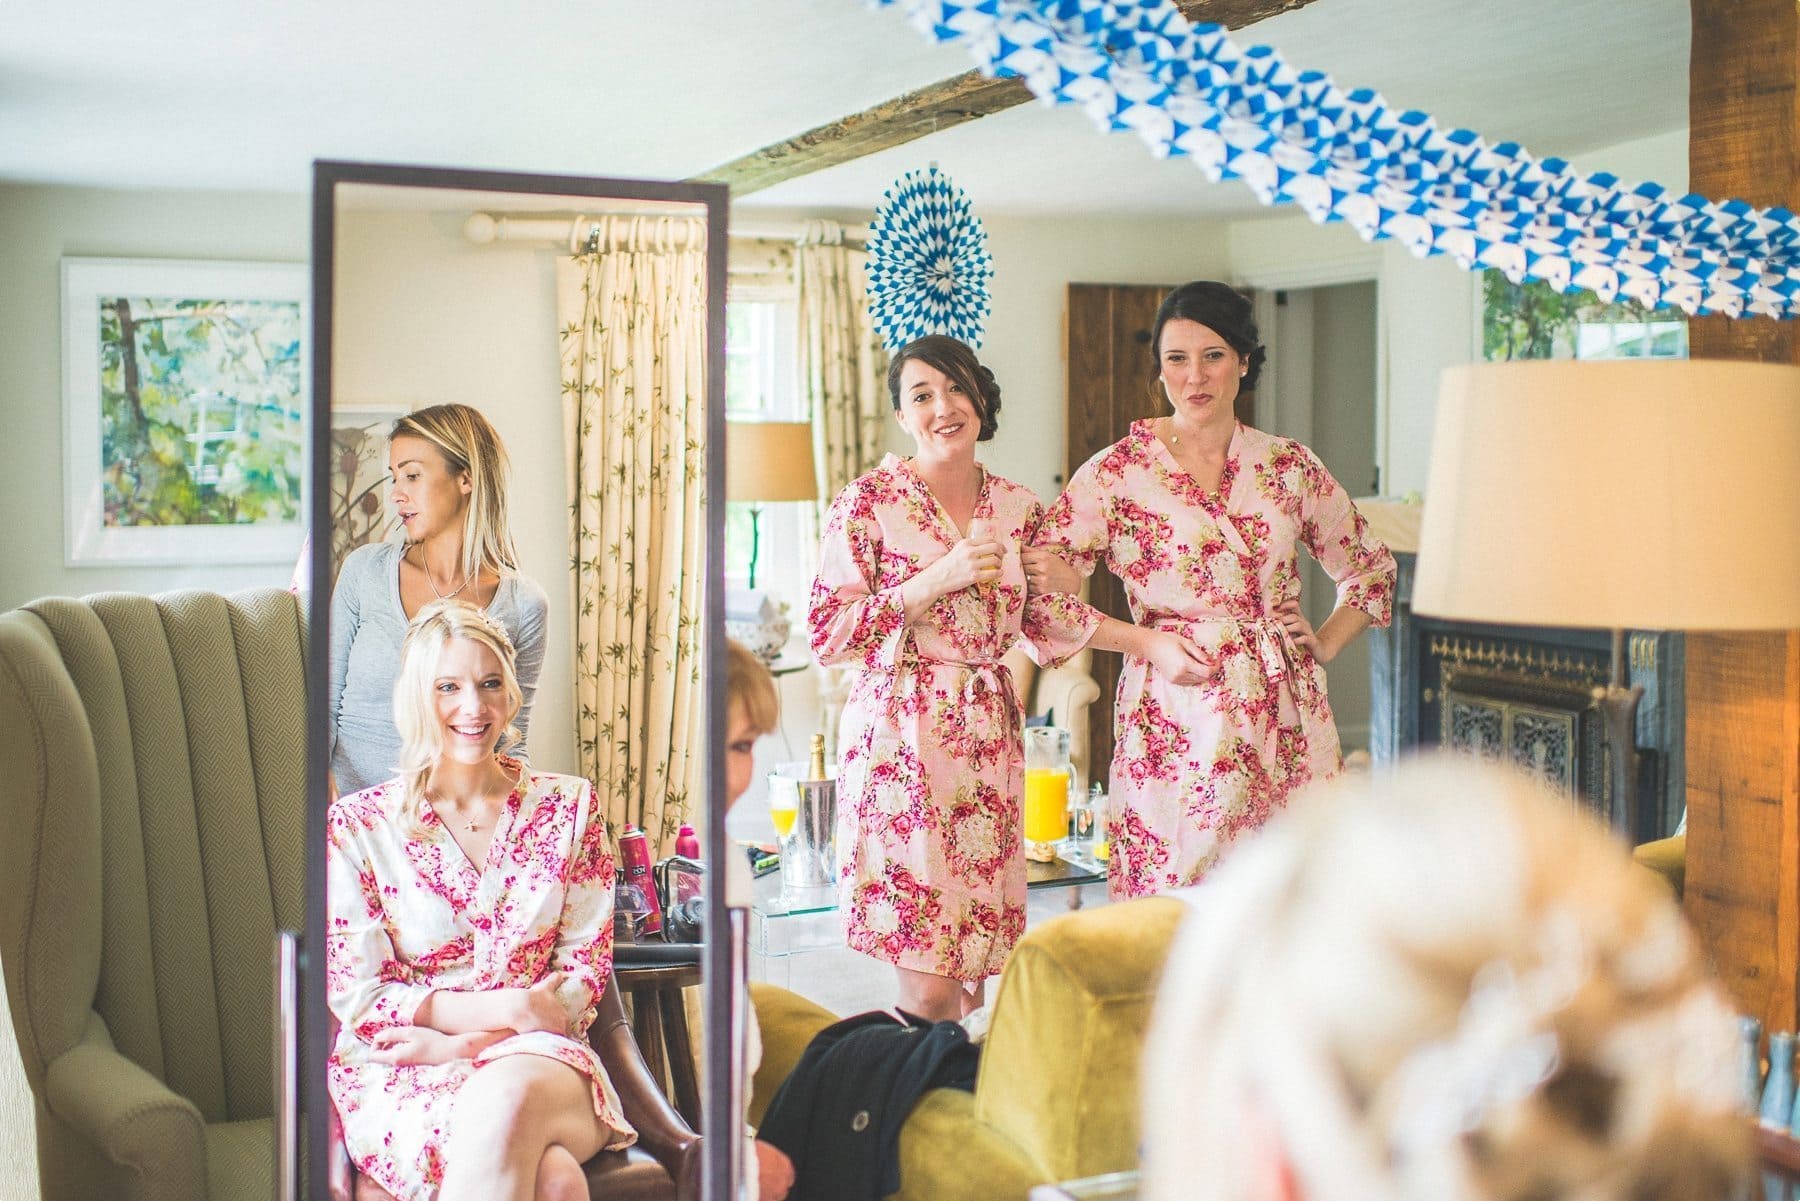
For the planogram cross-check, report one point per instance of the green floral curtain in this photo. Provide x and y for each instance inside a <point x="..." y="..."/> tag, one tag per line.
<point x="842" y="365"/>
<point x="633" y="334"/>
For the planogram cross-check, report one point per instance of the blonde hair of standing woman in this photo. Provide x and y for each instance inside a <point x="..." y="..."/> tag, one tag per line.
<point x="468" y="442"/>
<point x="415" y="709"/>
<point x="1439" y="984"/>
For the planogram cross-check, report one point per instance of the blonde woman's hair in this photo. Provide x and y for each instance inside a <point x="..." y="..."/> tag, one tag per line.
<point x="469" y="444"/>
<point x="1439" y="983"/>
<point x="415" y="707"/>
<point x="748" y="683"/>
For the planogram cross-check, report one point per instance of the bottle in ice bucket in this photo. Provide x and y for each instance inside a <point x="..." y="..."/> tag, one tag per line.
<point x="634" y="866"/>
<point x="808" y="810"/>
<point x="1047" y="776"/>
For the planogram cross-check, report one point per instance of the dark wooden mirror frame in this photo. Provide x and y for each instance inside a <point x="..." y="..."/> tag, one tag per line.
<point x="716" y="1112"/>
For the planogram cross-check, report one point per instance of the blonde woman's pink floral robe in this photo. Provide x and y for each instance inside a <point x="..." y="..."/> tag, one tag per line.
<point x="931" y="869"/>
<point x="1195" y="767"/>
<point x="409" y="914"/>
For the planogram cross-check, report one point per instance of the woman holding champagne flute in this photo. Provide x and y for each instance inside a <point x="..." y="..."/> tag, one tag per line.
<point x="920" y="585"/>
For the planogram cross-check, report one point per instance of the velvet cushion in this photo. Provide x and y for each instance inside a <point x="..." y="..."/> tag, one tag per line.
<point x="1057" y="1097"/>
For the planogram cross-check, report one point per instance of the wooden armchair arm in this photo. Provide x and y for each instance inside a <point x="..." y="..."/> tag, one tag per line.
<point x="661" y="1130"/>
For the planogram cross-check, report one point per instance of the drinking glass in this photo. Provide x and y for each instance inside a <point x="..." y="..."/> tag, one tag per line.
<point x="1047" y="775"/>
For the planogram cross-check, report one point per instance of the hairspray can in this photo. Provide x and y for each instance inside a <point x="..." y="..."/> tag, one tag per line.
<point x="634" y="866"/>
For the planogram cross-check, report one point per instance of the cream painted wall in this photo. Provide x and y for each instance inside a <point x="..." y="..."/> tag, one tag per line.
<point x="38" y="226"/>
<point x="424" y="316"/>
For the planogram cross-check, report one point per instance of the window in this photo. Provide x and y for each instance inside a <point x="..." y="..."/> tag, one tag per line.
<point x="1631" y="339"/>
<point x="762" y="384"/>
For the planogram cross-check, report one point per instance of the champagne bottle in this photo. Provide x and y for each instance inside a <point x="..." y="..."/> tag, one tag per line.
<point x="815" y="764"/>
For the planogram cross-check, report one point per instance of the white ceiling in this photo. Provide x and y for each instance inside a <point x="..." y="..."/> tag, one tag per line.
<point x="224" y="94"/>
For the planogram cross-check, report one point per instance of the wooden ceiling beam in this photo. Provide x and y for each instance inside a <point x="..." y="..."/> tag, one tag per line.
<point x="928" y="110"/>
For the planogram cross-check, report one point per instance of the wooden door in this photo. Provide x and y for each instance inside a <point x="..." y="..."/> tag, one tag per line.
<point x="1112" y="382"/>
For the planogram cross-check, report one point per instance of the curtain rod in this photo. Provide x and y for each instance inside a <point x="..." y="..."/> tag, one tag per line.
<point x="484" y="228"/>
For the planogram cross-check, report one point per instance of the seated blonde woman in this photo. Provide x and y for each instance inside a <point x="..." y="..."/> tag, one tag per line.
<point x="469" y="937"/>
<point x="1438" y="984"/>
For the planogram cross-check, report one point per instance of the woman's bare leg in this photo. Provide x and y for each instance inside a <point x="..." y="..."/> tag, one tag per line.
<point x="929" y="995"/>
<point x="507" y="1116"/>
<point x="972" y="996"/>
<point x="559" y="1176"/>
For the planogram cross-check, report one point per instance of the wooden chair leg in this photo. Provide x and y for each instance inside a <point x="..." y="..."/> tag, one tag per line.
<point x="647" y="1027"/>
<point x="684" y="1085"/>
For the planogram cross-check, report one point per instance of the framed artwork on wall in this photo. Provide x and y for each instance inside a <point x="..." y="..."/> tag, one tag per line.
<point x="359" y="472"/>
<point x="185" y="390"/>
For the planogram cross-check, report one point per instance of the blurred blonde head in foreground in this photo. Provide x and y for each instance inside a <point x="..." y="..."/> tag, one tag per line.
<point x="1435" y="984"/>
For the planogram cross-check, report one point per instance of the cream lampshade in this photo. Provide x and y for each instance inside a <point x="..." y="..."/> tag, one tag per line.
<point x="767" y="461"/>
<point x="1617" y="495"/>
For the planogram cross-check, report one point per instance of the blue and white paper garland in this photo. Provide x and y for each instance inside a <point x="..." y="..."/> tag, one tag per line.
<point x="928" y="262"/>
<point x="1294" y="136"/>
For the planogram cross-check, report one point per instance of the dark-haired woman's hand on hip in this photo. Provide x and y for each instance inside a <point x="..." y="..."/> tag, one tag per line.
<point x="1299" y="629"/>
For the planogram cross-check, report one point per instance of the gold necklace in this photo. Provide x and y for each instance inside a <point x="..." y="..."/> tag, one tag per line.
<point x="426" y="568"/>
<point x="469" y="824"/>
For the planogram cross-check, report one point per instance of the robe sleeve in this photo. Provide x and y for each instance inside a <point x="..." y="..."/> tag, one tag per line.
<point x="1057" y="624"/>
<point x="851" y="618"/>
<point x="585" y="932"/>
<point x="368" y="986"/>
<point x="1340" y="539"/>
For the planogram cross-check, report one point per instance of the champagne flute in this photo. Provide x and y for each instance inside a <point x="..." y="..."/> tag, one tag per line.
<point x="981" y="529"/>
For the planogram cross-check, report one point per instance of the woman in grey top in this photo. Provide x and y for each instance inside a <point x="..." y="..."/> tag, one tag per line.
<point x="449" y="492"/>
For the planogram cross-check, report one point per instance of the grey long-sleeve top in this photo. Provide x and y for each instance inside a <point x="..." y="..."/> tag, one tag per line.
<point x="368" y="626"/>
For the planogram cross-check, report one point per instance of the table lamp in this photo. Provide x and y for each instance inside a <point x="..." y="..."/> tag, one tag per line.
<point x="1615" y="495"/>
<point x="768" y="461"/>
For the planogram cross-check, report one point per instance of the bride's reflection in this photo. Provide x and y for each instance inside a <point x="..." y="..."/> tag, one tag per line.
<point x="507" y="413"/>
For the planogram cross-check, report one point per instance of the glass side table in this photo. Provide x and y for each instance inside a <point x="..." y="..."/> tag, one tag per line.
<point x="783" y="925"/>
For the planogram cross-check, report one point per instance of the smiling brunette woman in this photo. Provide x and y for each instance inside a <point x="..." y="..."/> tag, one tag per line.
<point x="449" y="474"/>
<point x="469" y="936"/>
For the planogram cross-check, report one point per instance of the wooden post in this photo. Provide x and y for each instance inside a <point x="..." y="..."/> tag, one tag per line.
<point x="1743" y="691"/>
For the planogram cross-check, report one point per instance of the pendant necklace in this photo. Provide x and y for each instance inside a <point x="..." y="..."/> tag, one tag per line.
<point x="469" y="823"/>
<point x="426" y="568"/>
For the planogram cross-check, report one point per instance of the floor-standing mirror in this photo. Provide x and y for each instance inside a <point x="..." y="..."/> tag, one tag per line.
<point x="571" y="328"/>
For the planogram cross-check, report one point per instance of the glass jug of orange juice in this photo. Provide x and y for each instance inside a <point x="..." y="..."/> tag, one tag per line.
<point x="1047" y="776"/>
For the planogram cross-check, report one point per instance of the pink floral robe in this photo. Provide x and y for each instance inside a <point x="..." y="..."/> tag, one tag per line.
<point x="1194" y="767"/>
<point x="931" y="867"/>
<point x="410" y="915"/>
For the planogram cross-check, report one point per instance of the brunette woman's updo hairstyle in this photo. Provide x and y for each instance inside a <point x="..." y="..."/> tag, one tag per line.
<point x="1220" y="308"/>
<point x="956" y="360"/>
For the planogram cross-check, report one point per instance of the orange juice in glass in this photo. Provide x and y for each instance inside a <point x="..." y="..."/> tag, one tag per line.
<point x="1047" y="777"/>
<point x="784" y="807"/>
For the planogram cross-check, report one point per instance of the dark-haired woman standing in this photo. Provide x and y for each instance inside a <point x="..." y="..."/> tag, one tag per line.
<point x="1200" y="516"/>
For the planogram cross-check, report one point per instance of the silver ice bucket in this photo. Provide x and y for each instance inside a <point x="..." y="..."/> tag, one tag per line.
<point x="809" y="851"/>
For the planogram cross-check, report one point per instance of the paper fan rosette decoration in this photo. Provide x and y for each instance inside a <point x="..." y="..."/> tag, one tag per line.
<point x="928" y="262"/>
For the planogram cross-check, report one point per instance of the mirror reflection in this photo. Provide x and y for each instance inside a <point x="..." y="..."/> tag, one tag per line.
<point x="518" y="408"/>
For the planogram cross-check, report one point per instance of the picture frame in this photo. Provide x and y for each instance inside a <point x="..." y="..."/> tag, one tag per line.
<point x="359" y="505"/>
<point x="185" y="402"/>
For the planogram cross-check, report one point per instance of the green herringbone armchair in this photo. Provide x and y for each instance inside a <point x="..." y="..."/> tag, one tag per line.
<point x="152" y="793"/>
